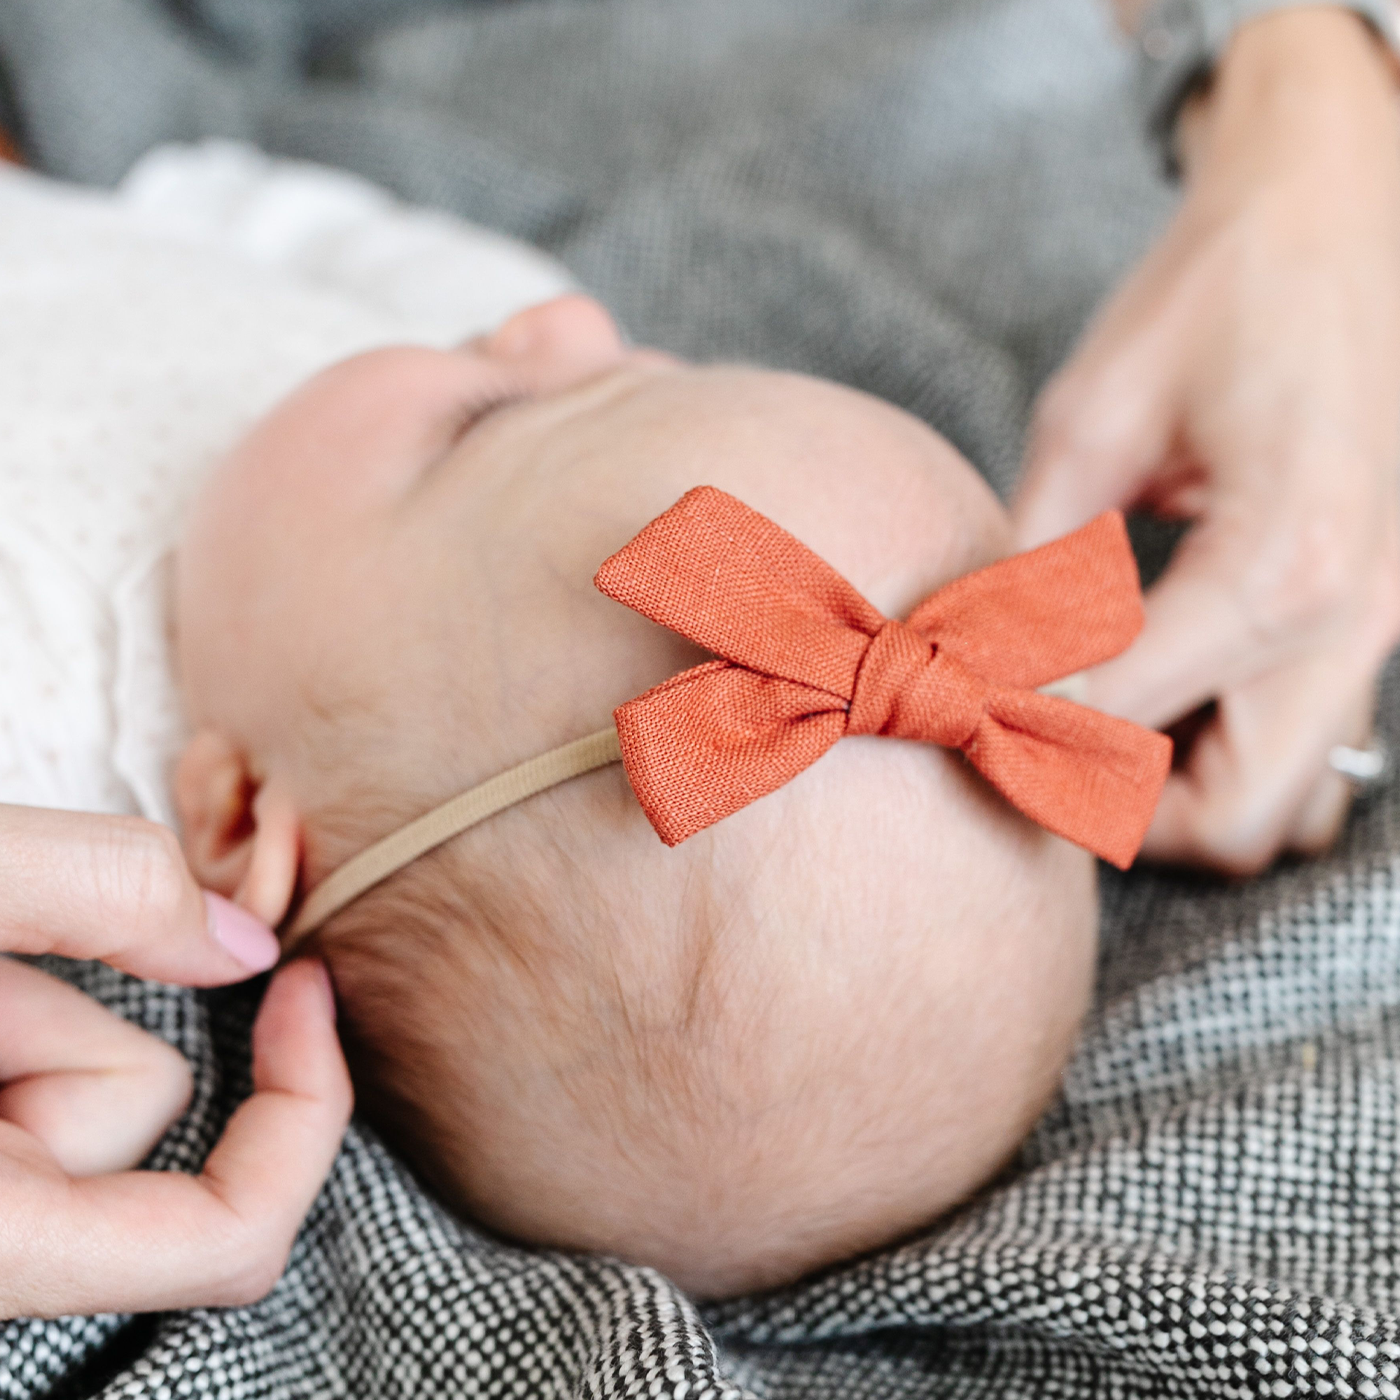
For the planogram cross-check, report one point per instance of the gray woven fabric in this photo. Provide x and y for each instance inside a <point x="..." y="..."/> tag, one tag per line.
<point x="924" y="199"/>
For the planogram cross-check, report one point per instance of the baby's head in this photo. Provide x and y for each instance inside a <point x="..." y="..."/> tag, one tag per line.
<point x="807" y="1030"/>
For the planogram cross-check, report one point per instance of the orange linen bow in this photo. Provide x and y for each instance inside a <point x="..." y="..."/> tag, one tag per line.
<point x="804" y="660"/>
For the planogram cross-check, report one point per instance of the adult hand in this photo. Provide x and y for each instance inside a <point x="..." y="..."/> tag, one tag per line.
<point x="1247" y="377"/>
<point x="83" y="1095"/>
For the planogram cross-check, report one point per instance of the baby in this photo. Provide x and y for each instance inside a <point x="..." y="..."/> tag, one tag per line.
<point x="809" y="1029"/>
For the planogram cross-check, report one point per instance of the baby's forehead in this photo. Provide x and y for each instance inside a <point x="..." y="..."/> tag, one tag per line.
<point x="491" y="558"/>
<point x="880" y="495"/>
<point x="890" y="503"/>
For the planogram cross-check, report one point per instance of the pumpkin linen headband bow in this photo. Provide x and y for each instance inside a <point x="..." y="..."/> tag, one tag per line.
<point x="803" y="660"/>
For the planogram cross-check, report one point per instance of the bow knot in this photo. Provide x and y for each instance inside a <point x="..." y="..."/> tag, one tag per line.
<point x="909" y="688"/>
<point x="803" y="659"/>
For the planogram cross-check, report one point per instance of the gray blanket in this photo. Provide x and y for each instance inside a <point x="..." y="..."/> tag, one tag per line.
<point x="924" y="198"/>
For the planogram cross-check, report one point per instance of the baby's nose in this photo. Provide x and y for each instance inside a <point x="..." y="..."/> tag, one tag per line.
<point x="569" y="332"/>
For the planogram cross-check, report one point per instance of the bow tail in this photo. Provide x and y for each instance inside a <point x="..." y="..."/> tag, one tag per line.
<point x="706" y="743"/>
<point x="1089" y="777"/>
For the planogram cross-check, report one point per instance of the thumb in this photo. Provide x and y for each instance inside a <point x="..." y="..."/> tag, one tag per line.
<point x="84" y="885"/>
<point x="1098" y="433"/>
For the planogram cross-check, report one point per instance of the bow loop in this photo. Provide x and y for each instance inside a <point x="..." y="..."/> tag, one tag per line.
<point x="1038" y="616"/>
<point x="731" y="581"/>
<point x="805" y="660"/>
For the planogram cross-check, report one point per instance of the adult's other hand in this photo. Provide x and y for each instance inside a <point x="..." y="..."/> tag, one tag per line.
<point x="1247" y="377"/>
<point x="83" y="1094"/>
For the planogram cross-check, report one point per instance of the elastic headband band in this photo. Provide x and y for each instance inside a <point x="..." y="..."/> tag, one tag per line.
<point x="801" y="659"/>
<point x="371" y="867"/>
<point x="406" y="844"/>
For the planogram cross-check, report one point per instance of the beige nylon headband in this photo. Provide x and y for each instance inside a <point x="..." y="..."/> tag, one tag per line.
<point x="364" y="871"/>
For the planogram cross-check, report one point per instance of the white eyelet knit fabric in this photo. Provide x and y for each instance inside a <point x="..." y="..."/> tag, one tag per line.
<point x="140" y="334"/>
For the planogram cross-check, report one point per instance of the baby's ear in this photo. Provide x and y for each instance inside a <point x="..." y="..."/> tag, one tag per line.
<point x="242" y="836"/>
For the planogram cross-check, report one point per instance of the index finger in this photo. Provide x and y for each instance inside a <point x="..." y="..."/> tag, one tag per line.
<point x="86" y="885"/>
<point x="143" y="1241"/>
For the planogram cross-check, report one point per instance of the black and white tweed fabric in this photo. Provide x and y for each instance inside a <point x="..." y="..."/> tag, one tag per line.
<point x="1211" y="1209"/>
<point x="924" y="198"/>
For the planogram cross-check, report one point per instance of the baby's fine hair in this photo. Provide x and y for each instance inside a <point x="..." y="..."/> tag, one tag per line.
<point x="728" y="1060"/>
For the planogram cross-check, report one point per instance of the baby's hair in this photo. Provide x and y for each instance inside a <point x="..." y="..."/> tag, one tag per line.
<point x="808" y="1029"/>
<point x="456" y="969"/>
<point x="580" y="1052"/>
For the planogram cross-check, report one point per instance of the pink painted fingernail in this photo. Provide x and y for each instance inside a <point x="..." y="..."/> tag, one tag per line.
<point x="247" y="938"/>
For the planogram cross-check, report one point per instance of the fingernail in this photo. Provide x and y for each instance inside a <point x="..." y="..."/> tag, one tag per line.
<point x="248" y="939"/>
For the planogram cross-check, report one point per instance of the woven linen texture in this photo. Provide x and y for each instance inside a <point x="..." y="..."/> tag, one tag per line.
<point x="804" y="660"/>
